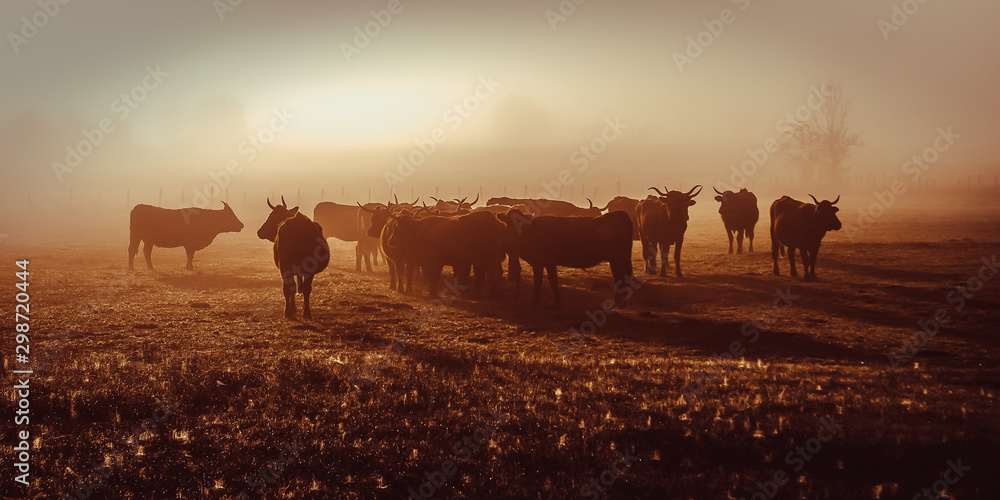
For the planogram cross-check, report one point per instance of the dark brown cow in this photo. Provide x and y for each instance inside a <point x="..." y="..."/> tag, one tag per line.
<point x="627" y="205"/>
<point x="300" y="251"/>
<point x="466" y="242"/>
<point x="393" y="244"/>
<point x="739" y="215"/>
<point x="548" y="207"/>
<point x="546" y="242"/>
<point x="795" y="224"/>
<point x="455" y="206"/>
<point x="191" y="228"/>
<point x="663" y="222"/>
<point x="349" y="223"/>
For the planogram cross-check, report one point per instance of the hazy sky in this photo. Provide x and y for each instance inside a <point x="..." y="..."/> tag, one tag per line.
<point x="556" y="79"/>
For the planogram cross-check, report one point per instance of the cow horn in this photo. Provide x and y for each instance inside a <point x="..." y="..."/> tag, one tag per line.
<point x="605" y="207"/>
<point x="688" y="194"/>
<point x="716" y="190"/>
<point x="363" y="208"/>
<point x="658" y="191"/>
<point x="394" y="197"/>
<point x="591" y="204"/>
<point x="269" y="204"/>
<point x="462" y="202"/>
<point x="814" y="199"/>
<point x="283" y="202"/>
<point x="834" y="202"/>
<point x="435" y="199"/>
<point x="474" y="201"/>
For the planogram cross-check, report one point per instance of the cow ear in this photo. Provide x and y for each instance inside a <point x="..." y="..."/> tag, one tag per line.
<point x="718" y="198"/>
<point x="692" y="202"/>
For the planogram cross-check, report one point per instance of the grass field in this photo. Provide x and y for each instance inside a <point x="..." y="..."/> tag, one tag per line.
<point x="382" y="392"/>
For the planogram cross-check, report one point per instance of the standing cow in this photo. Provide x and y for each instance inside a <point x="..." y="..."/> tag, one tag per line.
<point x="627" y="205"/>
<point x="739" y="215"/>
<point x="546" y="242"/>
<point x="349" y="223"/>
<point x="300" y="251"/>
<point x="191" y="228"/>
<point x="663" y="222"/>
<point x="795" y="224"/>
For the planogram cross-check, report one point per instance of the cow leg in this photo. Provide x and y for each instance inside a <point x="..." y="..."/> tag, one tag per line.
<point x="306" y="289"/>
<point x="133" y="248"/>
<point x="288" y="288"/>
<point x="190" y="254"/>
<point x="433" y="275"/>
<point x="514" y="275"/>
<point x="407" y="270"/>
<point x="791" y="261"/>
<point x="729" y="234"/>
<point x="774" y="253"/>
<point x="392" y="276"/>
<point x="811" y="270"/>
<point x="805" y="263"/>
<point x="357" y="258"/>
<point x="664" y="259"/>
<point x="649" y="256"/>
<point x="739" y="242"/>
<point x="537" y="271"/>
<point x="619" y="268"/>
<point x="749" y="232"/>
<point x="554" y="283"/>
<point x="677" y="257"/>
<point x="147" y="251"/>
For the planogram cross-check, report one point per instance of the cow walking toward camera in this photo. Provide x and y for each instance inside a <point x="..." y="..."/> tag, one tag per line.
<point x="739" y="215"/>
<point x="191" y="228"/>
<point x="801" y="226"/>
<point x="300" y="251"/>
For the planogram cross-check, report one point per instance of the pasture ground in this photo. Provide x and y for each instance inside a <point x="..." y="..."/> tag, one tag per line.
<point x="380" y="389"/>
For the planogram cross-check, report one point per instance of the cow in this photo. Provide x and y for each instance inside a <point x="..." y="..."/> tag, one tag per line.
<point x="349" y="223"/>
<point x="795" y="224"/>
<point x="300" y="252"/>
<point x="470" y="242"/>
<point x="546" y="242"/>
<point x="627" y="205"/>
<point x="662" y="222"/>
<point x="191" y="228"/>
<point x="548" y="207"/>
<point x="455" y="206"/>
<point x="739" y="215"/>
<point x="392" y="244"/>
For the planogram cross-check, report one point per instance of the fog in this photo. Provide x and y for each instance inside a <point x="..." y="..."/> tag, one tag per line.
<point x="111" y="102"/>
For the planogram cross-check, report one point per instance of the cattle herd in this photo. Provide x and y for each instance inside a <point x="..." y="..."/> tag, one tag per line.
<point x="475" y="241"/>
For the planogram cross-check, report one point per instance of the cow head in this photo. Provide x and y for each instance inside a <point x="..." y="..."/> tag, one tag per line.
<point x="678" y="202"/>
<point x="725" y="198"/>
<point x="826" y="214"/>
<point x="228" y="222"/>
<point x="279" y="214"/>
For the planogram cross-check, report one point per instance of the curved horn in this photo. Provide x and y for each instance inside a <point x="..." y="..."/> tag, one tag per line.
<point x="474" y="201"/>
<point x="283" y="201"/>
<point x="396" y="199"/>
<point x="269" y="203"/>
<point x="363" y="208"/>
<point x="658" y="191"/>
<point x="692" y="191"/>
<point x="814" y="199"/>
<point x="415" y="202"/>
<point x="716" y="190"/>
<point x="591" y="204"/>
<point x="435" y="199"/>
<point x="834" y="202"/>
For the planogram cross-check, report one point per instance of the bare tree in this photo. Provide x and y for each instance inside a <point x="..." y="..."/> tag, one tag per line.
<point x="820" y="146"/>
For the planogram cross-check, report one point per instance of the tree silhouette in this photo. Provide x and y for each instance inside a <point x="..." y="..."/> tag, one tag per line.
<point x="820" y="146"/>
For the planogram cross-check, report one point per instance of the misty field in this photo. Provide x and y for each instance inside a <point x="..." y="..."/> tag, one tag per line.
<point x="495" y="398"/>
